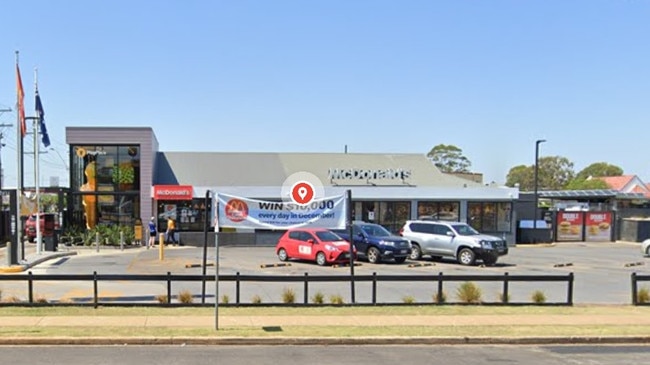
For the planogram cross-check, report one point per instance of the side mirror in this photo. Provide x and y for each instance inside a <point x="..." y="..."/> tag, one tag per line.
<point x="360" y="235"/>
<point x="311" y="240"/>
<point x="451" y="234"/>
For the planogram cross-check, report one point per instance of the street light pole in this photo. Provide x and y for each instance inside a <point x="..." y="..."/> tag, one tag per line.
<point x="537" y="143"/>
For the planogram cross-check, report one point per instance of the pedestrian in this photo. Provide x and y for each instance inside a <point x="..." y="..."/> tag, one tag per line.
<point x="171" y="230"/>
<point x="152" y="233"/>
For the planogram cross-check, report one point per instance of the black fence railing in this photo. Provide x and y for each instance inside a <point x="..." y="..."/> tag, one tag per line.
<point x="640" y="297"/>
<point x="306" y="279"/>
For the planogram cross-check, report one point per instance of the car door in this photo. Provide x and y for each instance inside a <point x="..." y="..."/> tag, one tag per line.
<point x="360" y="241"/>
<point x="428" y="239"/>
<point x="305" y="246"/>
<point x="292" y="243"/>
<point x="444" y="239"/>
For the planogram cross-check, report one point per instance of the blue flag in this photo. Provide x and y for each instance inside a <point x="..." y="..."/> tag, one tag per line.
<point x="41" y="117"/>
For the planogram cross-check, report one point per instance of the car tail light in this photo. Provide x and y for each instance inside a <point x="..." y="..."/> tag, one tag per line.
<point x="401" y="230"/>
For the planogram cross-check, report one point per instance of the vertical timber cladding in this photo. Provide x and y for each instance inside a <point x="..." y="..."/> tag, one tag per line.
<point x="142" y="136"/>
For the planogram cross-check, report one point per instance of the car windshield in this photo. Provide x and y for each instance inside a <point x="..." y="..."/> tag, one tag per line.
<point x="375" y="230"/>
<point x="328" y="236"/>
<point x="464" y="230"/>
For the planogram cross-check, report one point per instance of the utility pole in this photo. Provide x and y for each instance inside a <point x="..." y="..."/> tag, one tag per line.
<point x="2" y="175"/>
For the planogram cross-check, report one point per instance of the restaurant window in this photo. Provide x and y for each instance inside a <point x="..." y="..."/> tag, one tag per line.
<point x="189" y="214"/>
<point x="390" y="214"/>
<point x="490" y="216"/>
<point x="443" y="211"/>
<point x="105" y="184"/>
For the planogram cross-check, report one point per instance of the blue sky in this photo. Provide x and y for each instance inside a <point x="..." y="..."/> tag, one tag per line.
<point x="490" y="77"/>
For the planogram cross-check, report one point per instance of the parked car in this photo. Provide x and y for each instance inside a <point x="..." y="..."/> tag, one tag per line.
<point x="30" y="224"/>
<point x="452" y="239"/>
<point x="645" y="247"/>
<point x="376" y="243"/>
<point x="313" y="244"/>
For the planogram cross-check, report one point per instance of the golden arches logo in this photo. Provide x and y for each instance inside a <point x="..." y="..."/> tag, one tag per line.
<point x="81" y="152"/>
<point x="236" y="210"/>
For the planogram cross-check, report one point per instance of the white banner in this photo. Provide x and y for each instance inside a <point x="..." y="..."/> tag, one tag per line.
<point x="238" y="212"/>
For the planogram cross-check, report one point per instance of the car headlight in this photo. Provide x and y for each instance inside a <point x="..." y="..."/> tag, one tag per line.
<point x="486" y="244"/>
<point x="331" y="248"/>
<point x="387" y="243"/>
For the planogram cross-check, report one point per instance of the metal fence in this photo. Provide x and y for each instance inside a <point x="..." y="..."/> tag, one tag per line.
<point x="439" y="280"/>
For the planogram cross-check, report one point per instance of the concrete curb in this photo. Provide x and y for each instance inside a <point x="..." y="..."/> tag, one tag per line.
<point x="31" y="263"/>
<point x="320" y="341"/>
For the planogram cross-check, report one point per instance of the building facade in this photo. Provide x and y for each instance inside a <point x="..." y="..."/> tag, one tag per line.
<point x="118" y="175"/>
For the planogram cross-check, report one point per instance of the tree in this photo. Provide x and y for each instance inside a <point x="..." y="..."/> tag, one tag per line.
<point x="449" y="158"/>
<point x="554" y="173"/>
<point x="586" y="184"/>
<point x="599" y="169"/>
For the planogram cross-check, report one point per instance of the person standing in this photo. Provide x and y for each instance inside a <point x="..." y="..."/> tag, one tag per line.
<point x="152" y="233"/>
<point x="171" y="230"/>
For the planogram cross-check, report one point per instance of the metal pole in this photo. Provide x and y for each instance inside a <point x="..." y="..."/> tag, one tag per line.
<point x="216" y="264"/>
<point x="348" y="200"/>
<point x="205" y="244"/>
<point x="537" y="143"/>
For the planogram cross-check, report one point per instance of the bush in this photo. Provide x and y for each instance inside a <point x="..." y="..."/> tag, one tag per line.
<point x="336" y="299"/>
<point x="225" y="299"/>
<point x="409" y="299"/>
<point x="162" y="298"/>
<point x="538" y="297"/>
<point x="318" y="298"/>
<point x="643" y="295"/>
<point x="185" y="296"/>
<point x="256" y="299"/>
<point x="288" y="296"/>
<point x="12" y="299"/>
<point x="40" y="299"/>
<point x="442" y="299"/>
<point x="469" y="292"/>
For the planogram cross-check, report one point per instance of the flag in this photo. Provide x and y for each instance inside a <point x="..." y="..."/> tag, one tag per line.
<point x="40" y="113"/>
<point x="21" y="102"/>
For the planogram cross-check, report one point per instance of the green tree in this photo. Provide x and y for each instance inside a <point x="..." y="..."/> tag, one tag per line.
<point x="449" y="158"/>
<point x="554" y="173"/>
<point x="586" y="184"/>
<point x="599" y="169"/>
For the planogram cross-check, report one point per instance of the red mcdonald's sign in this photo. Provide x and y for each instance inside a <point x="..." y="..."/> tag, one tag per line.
<point x="173" y="192"/>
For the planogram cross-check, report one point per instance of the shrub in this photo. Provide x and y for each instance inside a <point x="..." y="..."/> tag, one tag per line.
<point x="162" y="298"/>
<point x="318" y="298"/>
<point x="288" y="296"/>
<point x="538" y="297"/>
<point x="0" y="295"/>
<point x="469" y="292"/>
<point x="256" y="299"/>
<point x="40" y="299"/>
<point x="643" y="295"/>
<point x="185" y="296"/>
<point x="442" y="299"/>
<point x="12" y="299"/>
<point x="409" y="299"/>
<point x="225" y="299"/>
<point x="336" y="299"/>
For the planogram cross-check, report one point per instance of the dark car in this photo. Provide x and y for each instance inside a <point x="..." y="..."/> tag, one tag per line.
<point x="376" y="243"/>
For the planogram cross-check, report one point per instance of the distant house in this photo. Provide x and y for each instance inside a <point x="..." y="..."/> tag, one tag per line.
<point x="627" y="184"/>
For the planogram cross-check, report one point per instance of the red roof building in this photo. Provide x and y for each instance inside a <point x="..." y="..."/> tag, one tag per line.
<point x="627" y="184"/>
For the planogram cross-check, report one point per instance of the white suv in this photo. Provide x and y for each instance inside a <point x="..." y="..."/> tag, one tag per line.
<point x="452" y="239"/>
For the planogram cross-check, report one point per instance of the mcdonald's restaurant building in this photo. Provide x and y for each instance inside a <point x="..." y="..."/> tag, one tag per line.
<point x="118" y="175"/>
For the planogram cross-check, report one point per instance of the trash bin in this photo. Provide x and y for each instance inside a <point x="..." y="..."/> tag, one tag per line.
<point x="137" y="231"/>
<point x="50" y="238"/>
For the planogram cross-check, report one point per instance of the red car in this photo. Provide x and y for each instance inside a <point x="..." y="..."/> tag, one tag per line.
<point x="313" y="244"/>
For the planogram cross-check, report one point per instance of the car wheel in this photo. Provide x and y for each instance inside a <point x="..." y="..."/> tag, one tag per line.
<point x="490" y="261"/>
<point x="466" y="257"/>
<point x="400" y="260"/>
<point x="416" y="252"/>
<point x="282" y="254"/>
<point x="373" y="255"/>
<point x="320" y="259"/>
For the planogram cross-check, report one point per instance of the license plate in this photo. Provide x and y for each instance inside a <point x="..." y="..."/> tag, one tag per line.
<point x="402" y="251"/>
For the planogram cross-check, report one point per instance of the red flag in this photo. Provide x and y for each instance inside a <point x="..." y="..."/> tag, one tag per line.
<point x="21" y="102"/>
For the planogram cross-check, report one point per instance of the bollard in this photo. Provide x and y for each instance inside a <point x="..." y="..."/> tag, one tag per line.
<point x="121" y="241"/>
<point x="161" y="247"/>
<point x="97" y="241"/>
<point x="9" y="253"/>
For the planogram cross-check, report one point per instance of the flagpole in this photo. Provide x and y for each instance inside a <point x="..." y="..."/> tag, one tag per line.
<point x="39" y="236"/>
<point x="19" y="164"/>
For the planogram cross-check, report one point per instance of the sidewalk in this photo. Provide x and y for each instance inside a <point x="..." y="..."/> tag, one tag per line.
<point x="32" y="258"/>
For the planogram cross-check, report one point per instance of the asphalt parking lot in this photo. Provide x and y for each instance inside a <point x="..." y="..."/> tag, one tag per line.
<point x="602" y="274"/>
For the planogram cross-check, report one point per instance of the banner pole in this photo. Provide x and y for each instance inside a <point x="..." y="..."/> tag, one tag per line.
<point x="216" y="264"/>
<point x="348" y="199"/>
<point x="206" y="224"/>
